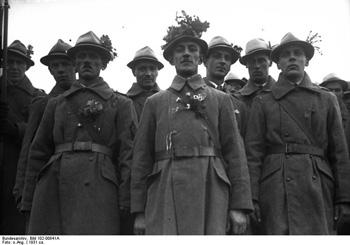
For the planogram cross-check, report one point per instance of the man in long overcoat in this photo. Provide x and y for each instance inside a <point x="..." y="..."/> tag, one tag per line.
<point x="82" y="151"/>
<point x="13" y="122"/>
<point x="145" y="67"/>
<point x="61" y="67"/>
<point x="296" y="149"/>
<point x="189" y="173"/>
<point x="257" y="60"/>
<point x="220" y="56"/>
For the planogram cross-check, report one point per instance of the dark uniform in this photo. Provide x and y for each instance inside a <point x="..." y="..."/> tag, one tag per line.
<point x="19" y="97"/>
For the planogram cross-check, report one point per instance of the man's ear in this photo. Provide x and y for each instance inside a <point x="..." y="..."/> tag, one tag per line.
<point x="50" y="70"/>
<point x="133" y="71"/>
<point x="307" y="62"/>
<point x="201" y="59"/>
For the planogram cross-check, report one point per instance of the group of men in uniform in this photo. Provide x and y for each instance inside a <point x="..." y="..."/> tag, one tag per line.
<point x="201" y="157"/>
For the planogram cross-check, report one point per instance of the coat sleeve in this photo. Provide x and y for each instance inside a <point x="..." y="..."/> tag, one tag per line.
<point x="143" y="158"/>
<point x="338" y="153"/>
<point x="35" y="115"/>
<point x="126" y="123"/>
<point x="40" y="151"/>
<point x="234" y="155"/>
<point x="255" y="144"/>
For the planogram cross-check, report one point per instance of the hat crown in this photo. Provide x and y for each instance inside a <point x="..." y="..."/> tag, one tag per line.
<point x="18" y="47"/>
<point x="219" y="41"/>
<point x="289" y="37"/>
<point x="332" y="77"/>
<point x="256" y="44"/>
<point x="88" y="38"/>
<point x="231" y="76"/>
<point x="60" y="47"/>
<point x="145" y="52"/>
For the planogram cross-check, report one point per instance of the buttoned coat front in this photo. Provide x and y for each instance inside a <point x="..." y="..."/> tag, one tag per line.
<point x="19" y="96"/>
<point x="77" y="191"/>
<point x="180" y="185"/>
<point x="297" y="191"/>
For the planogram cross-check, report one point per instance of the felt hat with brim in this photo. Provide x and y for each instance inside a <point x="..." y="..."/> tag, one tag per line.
<point x="290" y="40"/>
<point x="255" y="46"/>
<point x="233" y="78"/>
<point x="221" y="42"/>
<point x="333" y="78"/>
<point x="145" y="54"/>
<point x="90" y="41"/>
<point x="17" y="48"/>
<point x="169" y="47"/>
<point x="59" y="50"/>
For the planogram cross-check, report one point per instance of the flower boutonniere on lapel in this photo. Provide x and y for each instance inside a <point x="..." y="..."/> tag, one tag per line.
<point x="91" y="109"/>
<point x="193" y="102"/>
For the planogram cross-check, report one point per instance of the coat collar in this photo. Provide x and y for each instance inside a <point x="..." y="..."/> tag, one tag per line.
<point x="57" y="90"/>
<point x="195" y="82"/>
<point x="136" y="89"/>
<point x="213" y="85"/>
<point x="283" y="87"/>
<point x="99" y="86"/>
<point x="24" y="85"/>
<point x="251" y="88"/>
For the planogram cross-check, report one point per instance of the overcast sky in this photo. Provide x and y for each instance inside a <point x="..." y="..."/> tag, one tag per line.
<point x="133" y="24"/>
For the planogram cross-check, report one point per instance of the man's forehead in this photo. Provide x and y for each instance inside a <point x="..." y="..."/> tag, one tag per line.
<point x="220" y="50"/>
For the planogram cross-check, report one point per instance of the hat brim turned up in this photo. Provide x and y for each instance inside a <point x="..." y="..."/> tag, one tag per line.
<point x="243" y="60"/>
<point x="307" y="47"/>
<point x="19" y="54"/>
<point x="168" y="50"/>
<point x="132" y="63"/>
<point x="105" y="53"/>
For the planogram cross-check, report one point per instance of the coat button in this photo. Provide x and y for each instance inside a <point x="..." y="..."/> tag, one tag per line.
<point x="313" y="177"/>
<point x="79" y="125"/>
<point x="289" y="179"/>
<point x="286" y="134"/>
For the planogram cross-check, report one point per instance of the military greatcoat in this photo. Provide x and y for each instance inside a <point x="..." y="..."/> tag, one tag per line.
<point x="19" y="98"/>
<point x="298" y="158"/>
<point x="79" y="164"/>
<point x="188" y="171"/>
<point x="139" y="95"/>
<point x="36" y="112"/>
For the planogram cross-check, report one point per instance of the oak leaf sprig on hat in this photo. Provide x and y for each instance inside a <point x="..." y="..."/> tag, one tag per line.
<point x="193" y="102"/>
<point x="238" y="49"/>
<point x="187" y="25"/>
<point x="107" y="43"/>
<point x="30" y="51"/>
<point x="314" y="38"/>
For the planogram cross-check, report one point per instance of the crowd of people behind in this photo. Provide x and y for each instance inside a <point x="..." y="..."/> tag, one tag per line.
<point x="209" y="155"/>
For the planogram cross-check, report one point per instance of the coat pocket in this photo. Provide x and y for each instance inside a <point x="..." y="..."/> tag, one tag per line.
<point x="53" y="158"/>
<point x="153" y="176"/>
<point x="324" y="168"/>
<point x="221" y="173"/>
<point x="269" y="167"/>
<point x="109" y="172"/>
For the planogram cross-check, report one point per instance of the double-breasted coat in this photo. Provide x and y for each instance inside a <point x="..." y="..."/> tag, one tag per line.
<point x="188" y="172"/>
<point x="19" y="97"/>
<point x="79" y="163"/>
<point x="36" y="112"/>
<point x="298" y="159"/>
<point x="138" y="95"/>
